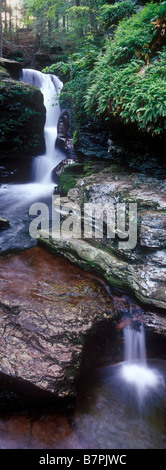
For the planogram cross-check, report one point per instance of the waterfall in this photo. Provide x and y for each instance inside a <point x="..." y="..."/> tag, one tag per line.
<point x="134" y="344"/>
<point x="134" y="369"/>
<point x="17" y="198"/>
<point x="50" y="87"/>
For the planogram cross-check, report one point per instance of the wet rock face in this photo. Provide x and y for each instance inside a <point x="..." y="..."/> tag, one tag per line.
<point x="143" y="268"/>
<point x="63" y="130"/>
<point x="12" y="66"/>
<point x="4" y="223"/>
<point x="153" y="230"/>
<point x="47" y="309"/>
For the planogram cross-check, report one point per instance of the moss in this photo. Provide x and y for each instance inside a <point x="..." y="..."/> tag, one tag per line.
<point x="65" y="185"/>
<point x="4" y="73"/>
<point x="75" y="137"/>
<point x="22" y="118"/>
<point x="114" y="169"/>
<point x="75" y="168"/>
<point x="72" y="173"/>
<point x="85" y="263"/>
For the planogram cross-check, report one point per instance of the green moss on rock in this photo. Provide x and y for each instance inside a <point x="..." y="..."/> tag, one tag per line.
<point x="72" y="173"/>
<point x="22" y="118"/>
<point x="4" y="73"/>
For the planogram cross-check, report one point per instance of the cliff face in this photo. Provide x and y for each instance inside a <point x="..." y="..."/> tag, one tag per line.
<point x="22" y="115"/>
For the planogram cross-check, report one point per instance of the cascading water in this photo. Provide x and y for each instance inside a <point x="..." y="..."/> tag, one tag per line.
<point x="16" y="199"/>
<point x="124" y="403"/>
<point x="50" y="87"/>
<point x="134" y="344"/>
<point x="134" y="369"/>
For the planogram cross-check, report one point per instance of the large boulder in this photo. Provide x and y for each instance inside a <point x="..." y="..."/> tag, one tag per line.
<point x="141" y="269"/>
<point x="47" y="309"/>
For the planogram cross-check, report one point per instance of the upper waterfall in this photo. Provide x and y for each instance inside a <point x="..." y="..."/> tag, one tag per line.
<point x="50" y="86"/>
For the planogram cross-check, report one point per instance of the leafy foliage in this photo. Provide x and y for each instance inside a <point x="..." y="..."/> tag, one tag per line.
<point x="76" y="71"/>
<point x="134" y="93"/>
<point x="123" y="82"/>
<point x="112" y="14"/>
<point x="126" y="79"/>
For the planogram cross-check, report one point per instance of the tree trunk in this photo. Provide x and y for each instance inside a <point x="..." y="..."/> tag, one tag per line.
<point x="49" y="29"/>
<point x="5" y="9"/>
<point x="36" y="48"/>
<point x="81" y="33"/>
<point x="91" y="15"/>
<point x="16" y="21"/>
<point x="67" y="21"/>
<point x="10" y="23"/>
<point x="56" y="20"/>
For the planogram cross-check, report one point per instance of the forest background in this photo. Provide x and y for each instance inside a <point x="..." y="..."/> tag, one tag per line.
<point x="111" y="56"/>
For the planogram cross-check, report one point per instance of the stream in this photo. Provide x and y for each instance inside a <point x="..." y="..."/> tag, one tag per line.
<point x="121" y="391"/>
<point x="16" y="198"/>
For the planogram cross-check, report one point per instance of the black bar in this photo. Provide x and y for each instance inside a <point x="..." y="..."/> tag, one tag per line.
<point x="71" y="458"/>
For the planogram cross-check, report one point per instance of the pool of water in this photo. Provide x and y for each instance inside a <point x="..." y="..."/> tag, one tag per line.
<point x="110" y="411"/>
<point x="111" y="414"/>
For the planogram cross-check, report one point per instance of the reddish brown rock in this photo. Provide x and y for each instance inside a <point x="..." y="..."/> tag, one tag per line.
<point x="47" y="308"/>
<point x="47" y="431"/>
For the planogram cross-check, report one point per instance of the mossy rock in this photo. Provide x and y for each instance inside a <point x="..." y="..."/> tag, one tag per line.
<point x="75" y="168"/>
<point x="13" y="67"/>
<point x="72" y="173"/>
<point x="67" y="182"/>
<point x="4" y="73"/>
<point x="22" y="118"/>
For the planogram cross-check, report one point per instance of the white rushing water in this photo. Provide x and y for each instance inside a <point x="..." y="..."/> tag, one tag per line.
<point x="50" y="86"/>
<point x="134" y="344"/>
<point x="16" y="199"/>
<point x="135" y="369"/>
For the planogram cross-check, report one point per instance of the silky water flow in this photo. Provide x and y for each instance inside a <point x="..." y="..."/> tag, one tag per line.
<point x="123" y="405"/>
<point x="135" y="369"/>
<point x="50" y="87"/>
<point x="16" y="199"/>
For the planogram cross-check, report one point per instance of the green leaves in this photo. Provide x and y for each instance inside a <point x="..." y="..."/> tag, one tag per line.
<point x="111" y="14"/>
<point x="122" y="84"/>
<point x="117" y="80"/>
<point x="130" y="95"/>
